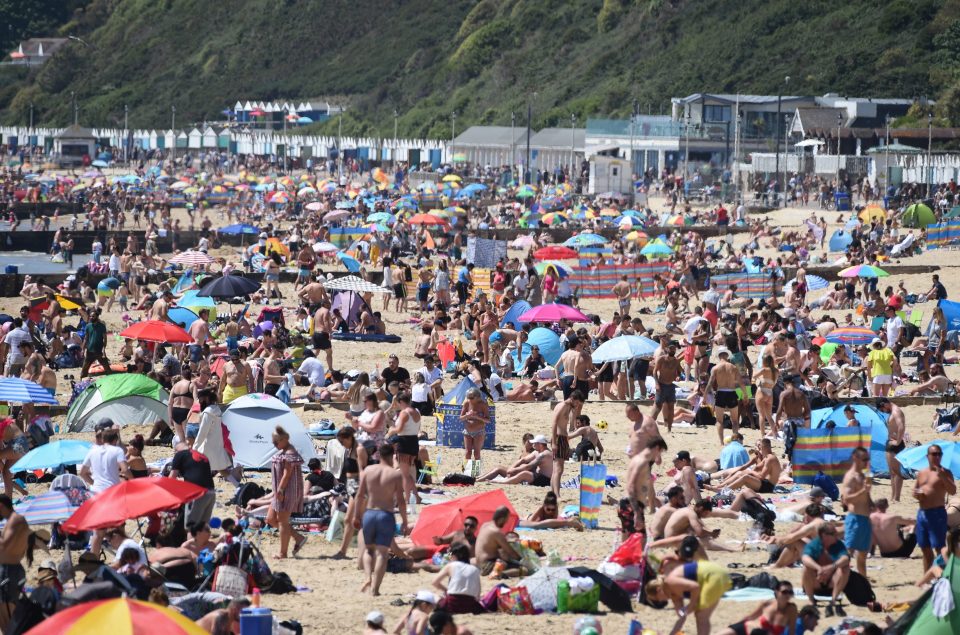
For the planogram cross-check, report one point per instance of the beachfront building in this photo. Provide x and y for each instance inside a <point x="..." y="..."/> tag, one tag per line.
<point x="74" y="145"/>
<point x="490" y="145"/>
<point x="271" y="114"/>
<point x="35" y="51"/>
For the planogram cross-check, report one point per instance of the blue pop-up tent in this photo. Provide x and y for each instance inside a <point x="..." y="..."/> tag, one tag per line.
<point x="951" y="311"/>
<point x="840" y="240"/>
<point x="546" y="340"/>
<point x="867" y="417"/>
<point x="516" y="309"/>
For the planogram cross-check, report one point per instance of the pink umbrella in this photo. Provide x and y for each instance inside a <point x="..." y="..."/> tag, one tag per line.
<point x="553" y="313"/>
<point x="337" y="214"/>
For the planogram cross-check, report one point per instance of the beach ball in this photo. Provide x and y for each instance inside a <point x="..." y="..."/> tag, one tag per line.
<point x="602" y="424"/>
<point x="587" y="625"/>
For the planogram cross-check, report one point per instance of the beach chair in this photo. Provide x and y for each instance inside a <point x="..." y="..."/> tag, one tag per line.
<point x="431" y="469"/>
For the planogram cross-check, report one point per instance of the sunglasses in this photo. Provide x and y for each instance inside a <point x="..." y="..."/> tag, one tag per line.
<point x="935" y="454"/>
<point x="786" y="592"/>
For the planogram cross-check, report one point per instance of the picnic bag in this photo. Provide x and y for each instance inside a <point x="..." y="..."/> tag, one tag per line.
<point x="232" y="581"/>
<point x="515" y="601"/>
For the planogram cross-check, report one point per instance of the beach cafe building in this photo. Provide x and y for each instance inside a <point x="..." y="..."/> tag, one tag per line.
<point x="550" y="148"/>
<point x="73" y="144"/>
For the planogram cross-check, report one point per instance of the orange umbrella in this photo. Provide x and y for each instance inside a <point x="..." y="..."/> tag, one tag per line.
<point x="157" y="331"/>
<point x="426" y="219"/>
<point x="121" y="616"/>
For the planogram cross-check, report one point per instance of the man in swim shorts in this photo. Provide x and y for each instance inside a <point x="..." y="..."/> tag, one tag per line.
<point x="855" y="496"/>
<point x="933" y="485"/>
<point x="236" y="377"/>
<point x="380" y="491"/>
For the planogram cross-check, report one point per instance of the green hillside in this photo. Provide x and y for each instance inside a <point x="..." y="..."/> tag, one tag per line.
<point x="483" y="59"/>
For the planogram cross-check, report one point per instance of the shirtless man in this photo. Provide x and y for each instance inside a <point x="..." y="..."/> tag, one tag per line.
<point x="794" y="408"/>
<point x="312" y="294"/>
<point x="492" y="544"/>
<point x="322" y="328"/>
<point x="786" y="355"/>
<point x="467" y="535"/>
<point x="622" y="292"/>
<point x="564" y="421"/>
<point x="685" y="476"/>
<point x="643" y="430"/>
<point x="236" y="377"/>
<point x="933" y="485"/>
<point x="34" y="362"/>
<point x="590" y="446"/>
<point x="896" y="428"/>
<point x="13" y="547"/>
<point x="855" y="496"/>
<point x="724" y="381"/>
<point x="640" y="488"/>
<point x="379" y="493"/>
<point x="160" y="308"/>
<point x="272" y="372"/>
<point x="764" y="478"/>
<point x="689" y="520"/>
<point x="675" y="502"/>
<point x="200" y="332"/>
<point x="536" y="471"/>
<point x="666" y="369"/>
<point x="887" y="534"/>
<point x="575" y="366"/>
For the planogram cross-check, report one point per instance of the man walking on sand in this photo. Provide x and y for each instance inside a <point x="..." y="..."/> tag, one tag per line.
<point x="379" y="493"/>
<point x="666" y="369"/>
<point x="933" y="485"/>
<point x="896" y="428"/>
<point x="725" y="379"/>
<point x="855" y="496"/>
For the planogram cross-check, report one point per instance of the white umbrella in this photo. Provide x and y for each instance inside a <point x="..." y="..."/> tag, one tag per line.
<point x="542" y="586"/>
<point x="191" y="258"/>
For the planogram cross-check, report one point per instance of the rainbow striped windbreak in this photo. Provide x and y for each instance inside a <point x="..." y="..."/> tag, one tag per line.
<point x="749" y="285"/>
<point x="598" y="282"/>
<point x="827" y="451"/>
<point x="593" y="478"/>
<point x="943" y="234"/>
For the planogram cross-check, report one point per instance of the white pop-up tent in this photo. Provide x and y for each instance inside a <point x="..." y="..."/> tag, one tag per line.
<point x="250" y="421"/>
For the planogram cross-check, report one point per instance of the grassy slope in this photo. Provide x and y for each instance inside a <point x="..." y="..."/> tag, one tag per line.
<point x="481" y="58"/>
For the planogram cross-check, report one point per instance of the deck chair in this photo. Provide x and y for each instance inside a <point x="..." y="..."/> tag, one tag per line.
<point x="431" y="469"/>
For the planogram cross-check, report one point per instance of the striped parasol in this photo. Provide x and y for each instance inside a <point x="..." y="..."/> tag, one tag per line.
<point x="16" y="390"/>
<point x="53" y="506"/>
<point x="120" y="616"/>
<point x="854" y="335"/>
<point x="191" y="259"/>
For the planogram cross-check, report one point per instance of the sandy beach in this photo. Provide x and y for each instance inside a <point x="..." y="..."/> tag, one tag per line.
<point x="331" y="601"/>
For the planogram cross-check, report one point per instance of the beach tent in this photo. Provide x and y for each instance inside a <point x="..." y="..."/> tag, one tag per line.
<point x="951" y="312"/>
<point x="350" y="303"/>
<point x="918" y="215"/>
<point x="449" y="428"/>
<point x="546" y="340"/>
<point x="250" y="421"/>
<point x="840" y="240"/>
<point x="516" y="309"/>
<point x="867" y="417"/>
<point x="124" y="398"/>
<point x="921" y="617"/>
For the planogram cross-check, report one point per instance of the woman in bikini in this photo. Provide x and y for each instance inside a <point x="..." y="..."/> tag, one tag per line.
<point x="178" y="408"/>
<point x="407" y="430"/>
<point x="135" y="461"/>
<point x="775" y="616"/>
<point x="474" y="414"/>
<point x="766" y="378"/>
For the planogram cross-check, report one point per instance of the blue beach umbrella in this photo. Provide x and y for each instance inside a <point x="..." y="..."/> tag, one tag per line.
<point x="53" y="454"/>
<point x="238" y="228"/>
<point x="182" y="316"/>
<point x="623" y="348"/>
<point x="351" y="263"/>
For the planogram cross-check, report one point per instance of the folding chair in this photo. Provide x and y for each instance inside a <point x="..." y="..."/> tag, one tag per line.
<point x="431" y="469"/>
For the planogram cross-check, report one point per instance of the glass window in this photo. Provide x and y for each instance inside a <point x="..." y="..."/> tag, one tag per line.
<point x="716" y="113"/>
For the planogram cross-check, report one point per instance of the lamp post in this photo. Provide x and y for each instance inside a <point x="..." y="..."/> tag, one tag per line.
<point x="513" y="142"/>
<point x="73" y="104"/>
<point x="340" y="144"/>
<point x="173" y="131"/>
<point x="776" y="170"/>
<point x="453" y="135"/>
<point x="886" y="156"/>
<point x="929" y="153"/>
<point x="573" y="145"/>
<point x="839" y="124"/>
<point x="786" y="158"/>
<point x="30" y="130"/>
<point x="736" y="151"/>
<point x="527" y="172"/>
<point x="633" y="118"/>
<point x="396" y="115"/>
<point x="686" y="152"/>
<point x="126" y="144"/>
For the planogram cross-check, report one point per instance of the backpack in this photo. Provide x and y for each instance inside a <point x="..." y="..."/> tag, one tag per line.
<point x="246" y="493"/>
<point x="704" y="417"/>
<point x="759" y="512"/>
<point x="826" y="483"/>
<point x="763" y="581"/>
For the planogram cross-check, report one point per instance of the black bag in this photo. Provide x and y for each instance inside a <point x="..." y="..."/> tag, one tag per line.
<point x="763" y="581"/>
<point x="246" y="493"/>
<point x="29" y="612"/>
<point x="281" y="584"/>
<point x="947" y="415"/>
<point x="459" y="479"/>
<point x="858" y="590"/>
<point x="704" y="417"/>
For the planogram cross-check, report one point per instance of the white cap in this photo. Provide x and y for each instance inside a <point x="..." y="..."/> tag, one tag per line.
<point x="375" y="617"/>
<point x="876" y="340"/>
<point x="263" y="234"/>
<point x="426" y="596"/>
<point x="539" y="439"/>
<point x="723" y="350"/>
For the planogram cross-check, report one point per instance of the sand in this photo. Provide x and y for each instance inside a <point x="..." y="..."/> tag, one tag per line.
<point x="332" y="602"/>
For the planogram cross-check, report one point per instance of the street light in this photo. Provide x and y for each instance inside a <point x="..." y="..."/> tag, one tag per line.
<point x="513" y="144"/>
<point x="126" y="147"/>
<point x="786" y="158"/>
<point x="633" y="118"/>
<point x="839" y="124"/>
<point x="73" y="100"/>
<point x="929" y="153"/>
<point x="527" y="172"/>
<point x="886" y="156"/>
<point x="686" y="152"/>
<point x="173" y="132"/>
<point x="453" y="135"/>
<point x="776" y="170"/>
<point x="573" y="145"/>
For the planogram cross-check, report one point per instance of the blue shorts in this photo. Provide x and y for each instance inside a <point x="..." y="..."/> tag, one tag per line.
<point x="379" y="527"/>
<point x="232" y="343"/>
<point x="857" y="532"/>
<point x="196" y="352"/>
<point x="931" y="529"/>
